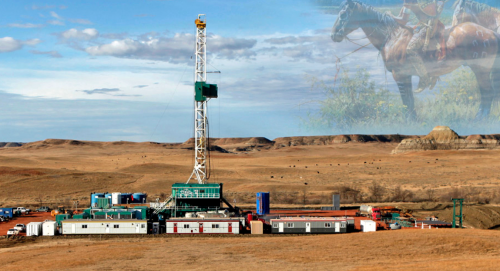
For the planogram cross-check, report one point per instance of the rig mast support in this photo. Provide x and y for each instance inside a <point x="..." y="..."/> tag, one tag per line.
<point x="202" y="93"/>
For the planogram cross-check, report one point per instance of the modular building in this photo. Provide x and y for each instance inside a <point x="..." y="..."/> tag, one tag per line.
<point x="34" y="229"/>
<point x="368" y="225"/>
<point x="200" y="226"/>
<point x="309" y="225"/>
<point x="49" y="228"/>
<point x="7" y="212"/>
<point x="104" y="226"/>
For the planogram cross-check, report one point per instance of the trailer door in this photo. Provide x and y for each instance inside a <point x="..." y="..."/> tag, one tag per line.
<point x="229" y="227"/>
<point x="73" y="228"/>
<point x="308" y="226"/>
<point x="280" y="227"/>
<point x="337" y="226"/>
<point x="107" y="227"/>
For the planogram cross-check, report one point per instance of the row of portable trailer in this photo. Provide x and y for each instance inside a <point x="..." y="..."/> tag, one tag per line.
<point x="234" y="225"/>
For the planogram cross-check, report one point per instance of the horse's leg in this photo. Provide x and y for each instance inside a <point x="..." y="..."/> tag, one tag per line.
<point x="406" y="91"/>
<point x="488" y="85"/>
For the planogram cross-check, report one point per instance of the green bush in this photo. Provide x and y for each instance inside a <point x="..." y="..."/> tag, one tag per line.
<point x="356" y="104"/>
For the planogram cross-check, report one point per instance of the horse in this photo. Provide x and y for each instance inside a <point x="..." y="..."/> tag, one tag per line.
<point x="475" y="12"/>
<point x="466" y="44"/>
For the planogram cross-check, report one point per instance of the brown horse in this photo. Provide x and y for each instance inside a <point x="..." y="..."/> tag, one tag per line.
<point x="475" y="12"/>
<point x="467" y="44"/>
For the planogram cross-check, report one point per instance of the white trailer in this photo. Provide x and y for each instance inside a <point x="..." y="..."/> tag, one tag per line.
<point x="368" y="225"/>
<point x="34" y="229"/>
<point x="203" y="226"/>
<point x="116" y="198"/>
<point x="104" y="226"/>
<point x="49" y="228"/>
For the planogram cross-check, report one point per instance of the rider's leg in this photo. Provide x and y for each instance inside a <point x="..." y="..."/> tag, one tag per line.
<point x="413" y="54"/>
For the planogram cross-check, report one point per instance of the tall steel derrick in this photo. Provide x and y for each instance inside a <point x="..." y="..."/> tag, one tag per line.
<point x="200" y="105"/>
<point x="203" y="92"/>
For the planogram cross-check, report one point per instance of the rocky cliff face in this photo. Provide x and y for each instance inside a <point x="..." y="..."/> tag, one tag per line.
<point x="444" y="138"/>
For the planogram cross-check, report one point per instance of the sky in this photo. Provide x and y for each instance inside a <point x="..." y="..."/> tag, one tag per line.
<point x="124" y="70"/>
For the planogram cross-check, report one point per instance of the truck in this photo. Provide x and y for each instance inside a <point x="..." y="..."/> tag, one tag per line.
<point x="43" y="209"/>
<point x="23" y="210"/>
<point x="20" y="227"/>
<point x="371" y="212"/>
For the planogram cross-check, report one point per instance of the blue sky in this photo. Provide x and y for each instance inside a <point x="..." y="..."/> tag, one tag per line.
<point x="122" y="70"/>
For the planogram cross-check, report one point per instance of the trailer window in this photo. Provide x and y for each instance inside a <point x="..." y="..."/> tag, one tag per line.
<point x="328" y="225"/>
<point x="84" y="226"/>
<point x="215" y="226"/>
<point x="342" y="225"/>
<point x="116" y="226"/>
<point x="143" y="226"/>
<point x="186" y="226"/>
<point x="275" y="225"/>
<point x="289" y="225"/>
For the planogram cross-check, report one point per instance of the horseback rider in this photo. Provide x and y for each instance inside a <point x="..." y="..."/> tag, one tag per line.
<point x="427" y="13"/>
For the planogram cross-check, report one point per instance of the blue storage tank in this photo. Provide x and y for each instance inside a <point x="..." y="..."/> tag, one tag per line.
<point x="263" y="203"/>
<point x="7" y="212"/>
<point x="139" y="198"/>
<point x="94" y="197"/>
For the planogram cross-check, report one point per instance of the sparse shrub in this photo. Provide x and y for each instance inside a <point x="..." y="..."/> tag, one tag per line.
<point x="377" y="192"/>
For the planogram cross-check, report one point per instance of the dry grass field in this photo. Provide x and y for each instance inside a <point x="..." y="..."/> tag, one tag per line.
<point x="395" y="250"/>
<point x="60" y="171"/>
<point x="57" y="171"/>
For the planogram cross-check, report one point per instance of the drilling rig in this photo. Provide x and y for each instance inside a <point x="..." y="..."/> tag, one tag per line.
<point x="198" y="196"/>
<point x="203" y="92"/>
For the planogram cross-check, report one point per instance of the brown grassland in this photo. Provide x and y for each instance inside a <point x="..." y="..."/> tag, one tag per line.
<point x="54" y="172"/>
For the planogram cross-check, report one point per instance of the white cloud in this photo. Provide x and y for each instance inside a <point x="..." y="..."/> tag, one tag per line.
<point x="55" y="15"/>
<point x="86" y="34"/>
<point x="173" y="49"/>
<point x="54" y="54"/>
<point x="55" y="22"/>
<point x="9" y="44"/>
<point x="26" y="25"/>
<point x="32" y="42"/>
<point x="80" y="21"/>
<point x="35" y="7"/>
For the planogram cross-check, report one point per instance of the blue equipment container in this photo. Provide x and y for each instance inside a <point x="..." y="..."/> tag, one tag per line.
<point x="94" y="197"/>
<point x="7" y="212"/>
<point x="139" y="198"/>
<point x="126" y="198"/>
<point x="263" y="203"/>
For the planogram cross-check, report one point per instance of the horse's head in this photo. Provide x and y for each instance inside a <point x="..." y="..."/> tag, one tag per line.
<point x="346" y="22"/>
<point x="463" y="14"/>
